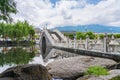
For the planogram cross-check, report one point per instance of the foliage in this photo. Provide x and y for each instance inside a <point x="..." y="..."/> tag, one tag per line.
<point x="96" y="70"/>
<point x="96" y="36"/>
<point x="70" y="35"/>
<point x="90" y="34"/>
<point x="80" y="35"/>
<point x="116" y="78"/>
<point x="117" y="35"/>
<point x="16" y="31"/>
<point x="101" y="36"/>
<point x="109" y="35"/>
<point x="6" y="8"/>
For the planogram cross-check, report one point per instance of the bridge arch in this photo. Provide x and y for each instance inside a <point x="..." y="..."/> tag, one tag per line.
<point x="43" y="45"/>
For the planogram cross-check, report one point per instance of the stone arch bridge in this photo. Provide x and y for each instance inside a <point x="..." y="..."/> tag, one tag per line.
<point x="55" y="39"/>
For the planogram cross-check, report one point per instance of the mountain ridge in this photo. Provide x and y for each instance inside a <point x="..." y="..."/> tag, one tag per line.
<point x="94" y="28"/>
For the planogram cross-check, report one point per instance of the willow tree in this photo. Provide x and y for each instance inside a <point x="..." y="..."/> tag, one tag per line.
<point x="19" y="30"/>
<point x="6" y="8"/>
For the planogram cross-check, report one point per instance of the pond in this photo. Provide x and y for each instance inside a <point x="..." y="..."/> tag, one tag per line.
<point x="13" y="56"/>
<point x="19" y="55"/>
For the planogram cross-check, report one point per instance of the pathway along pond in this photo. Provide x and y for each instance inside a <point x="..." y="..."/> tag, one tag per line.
<point x="17" y="55"/>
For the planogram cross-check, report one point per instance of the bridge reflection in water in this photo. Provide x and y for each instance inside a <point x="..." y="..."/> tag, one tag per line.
<point x="105" y="48"/>
<point x="13" y="56"/>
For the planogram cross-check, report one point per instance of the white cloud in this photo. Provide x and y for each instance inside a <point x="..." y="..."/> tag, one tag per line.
<point x="68" y="12"/>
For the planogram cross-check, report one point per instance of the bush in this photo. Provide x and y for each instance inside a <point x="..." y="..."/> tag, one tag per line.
<point x="96" y="70"/>
<point x="116" y="78"/>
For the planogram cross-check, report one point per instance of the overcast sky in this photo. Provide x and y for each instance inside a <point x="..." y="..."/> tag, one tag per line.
<point x="68" y="12"/>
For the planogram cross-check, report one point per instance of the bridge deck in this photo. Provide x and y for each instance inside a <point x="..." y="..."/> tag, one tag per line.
<point x="113" y="56"/>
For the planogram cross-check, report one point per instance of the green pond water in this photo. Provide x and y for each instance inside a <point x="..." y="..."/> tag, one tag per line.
<point x="17" y="55"/>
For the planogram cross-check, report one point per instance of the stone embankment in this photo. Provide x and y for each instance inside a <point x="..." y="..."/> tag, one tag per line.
<point x="73" y="68"/>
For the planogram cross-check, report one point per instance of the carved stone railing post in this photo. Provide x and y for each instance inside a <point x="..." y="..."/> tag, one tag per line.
<point x="87" y="42"/>
<point x="105" y="43"/>
<point x="112" y="40"/>
<point x="74" y="41"/>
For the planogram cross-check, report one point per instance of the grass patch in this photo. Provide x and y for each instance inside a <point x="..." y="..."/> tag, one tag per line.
<point x="116" y="78"/>
<point x="96" y="70"/>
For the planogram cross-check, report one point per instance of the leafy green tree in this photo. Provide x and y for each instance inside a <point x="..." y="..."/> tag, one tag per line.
<point x="19" y="30"/>
<point x="1" y="28"/>
<point x="117" y="35"/>
<point x="90" y="34"/>
<point x="4" y="30"/>
<point x="70" y="35"/>
<point x="31" y="32"/>
<point x="6" y="8"/>
<point x="16" y="31"/>
<point x="101" y="36"/>
<point x="109" y="35"/>
<point x="80" y="35"/>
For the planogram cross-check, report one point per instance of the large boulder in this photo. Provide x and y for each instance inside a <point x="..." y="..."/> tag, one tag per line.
<point x="74" y="67"/>
<point x="112" y="73"/>
<point x="26" y="72"/>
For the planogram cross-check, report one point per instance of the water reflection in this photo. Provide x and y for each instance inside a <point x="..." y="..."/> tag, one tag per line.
<point x="16" y="55"/>
<point x="58" y="54"/>
<point x="28" y="55"/>
<point x="12" y="56"/>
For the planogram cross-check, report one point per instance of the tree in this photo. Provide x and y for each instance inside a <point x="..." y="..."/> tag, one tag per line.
<point x="90" y="34"/>
<point x="19" y="30"/>
<point x="31" y="32"/>
<point x="70" y="35"/>
<point x="117" y="35"/>
<point x="6" y="8"/>
<point x="80" y="35"/>
<point x="101" y="36"/>
<point x="3" y="30"/>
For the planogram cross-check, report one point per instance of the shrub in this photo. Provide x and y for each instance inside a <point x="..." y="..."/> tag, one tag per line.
<point x="96" y="70"/>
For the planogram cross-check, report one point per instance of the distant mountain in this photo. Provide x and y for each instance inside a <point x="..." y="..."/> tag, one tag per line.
<point x="94" y="28"/>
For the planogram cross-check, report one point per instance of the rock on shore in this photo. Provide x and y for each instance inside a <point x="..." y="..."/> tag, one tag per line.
<point x="74" y="67"/>
<point x="26" y="72"/>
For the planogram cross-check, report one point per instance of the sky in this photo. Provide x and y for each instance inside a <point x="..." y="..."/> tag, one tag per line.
<point x="54" y="13"/>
